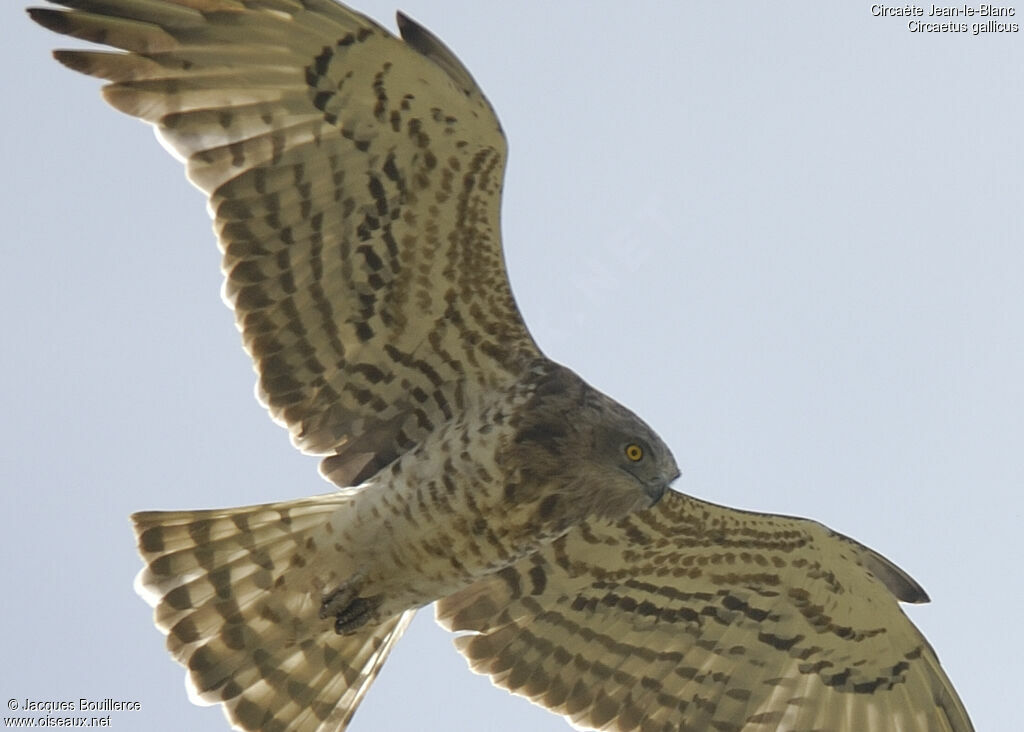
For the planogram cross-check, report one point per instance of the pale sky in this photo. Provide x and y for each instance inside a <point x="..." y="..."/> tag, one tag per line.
<point x="789" y="236"/>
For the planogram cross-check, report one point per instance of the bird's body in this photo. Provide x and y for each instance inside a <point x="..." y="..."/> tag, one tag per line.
<point x="475" y="496"/>
<point x="355" y="180"/>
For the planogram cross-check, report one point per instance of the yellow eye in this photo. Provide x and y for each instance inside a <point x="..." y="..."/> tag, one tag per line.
<point x="634" y="452"/>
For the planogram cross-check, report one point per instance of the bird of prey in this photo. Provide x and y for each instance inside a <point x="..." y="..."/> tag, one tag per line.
<point x="355" y="180"/>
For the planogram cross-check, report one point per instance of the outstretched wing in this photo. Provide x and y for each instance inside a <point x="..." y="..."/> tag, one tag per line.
<point x="691" y="616"/>
<point x="355" y="184"/>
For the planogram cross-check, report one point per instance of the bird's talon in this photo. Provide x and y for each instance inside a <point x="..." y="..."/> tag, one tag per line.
<point x="350" y="611"/>
<point x="337" y="601"/>
<point x="355" y="615"/>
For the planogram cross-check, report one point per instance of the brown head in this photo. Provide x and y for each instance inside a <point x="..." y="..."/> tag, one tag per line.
<point x="584" y="455"/>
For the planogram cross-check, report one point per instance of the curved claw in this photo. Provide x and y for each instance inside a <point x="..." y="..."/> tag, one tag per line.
<point x="350" y="611"/>
<point x="356" y="614"/>
<point x="336" y="602"/>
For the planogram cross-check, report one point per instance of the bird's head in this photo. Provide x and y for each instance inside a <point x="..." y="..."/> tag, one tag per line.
<point x="624" y="444"/>
<point x="596" y="456"/>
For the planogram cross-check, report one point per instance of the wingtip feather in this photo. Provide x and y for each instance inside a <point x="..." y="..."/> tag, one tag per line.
<point x="54" y="20"/>
<point x="72" y="60"/>
<point x="433" y="48"/>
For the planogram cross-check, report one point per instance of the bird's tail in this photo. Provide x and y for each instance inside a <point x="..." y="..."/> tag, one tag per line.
<point x="237" y="592"/>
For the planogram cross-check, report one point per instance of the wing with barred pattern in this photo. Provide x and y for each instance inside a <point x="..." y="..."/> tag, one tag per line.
<point x="692" y="616"/>
<point x="355" y="184"/>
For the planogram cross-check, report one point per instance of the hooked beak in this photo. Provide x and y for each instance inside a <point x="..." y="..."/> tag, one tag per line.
<point x="656" y="490"/>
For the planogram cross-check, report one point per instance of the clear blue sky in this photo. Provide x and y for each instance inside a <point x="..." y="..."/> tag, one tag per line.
<point x="790" y="238"/>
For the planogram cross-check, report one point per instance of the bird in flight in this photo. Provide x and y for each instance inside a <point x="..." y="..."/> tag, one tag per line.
<point x="355" y="178"/>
